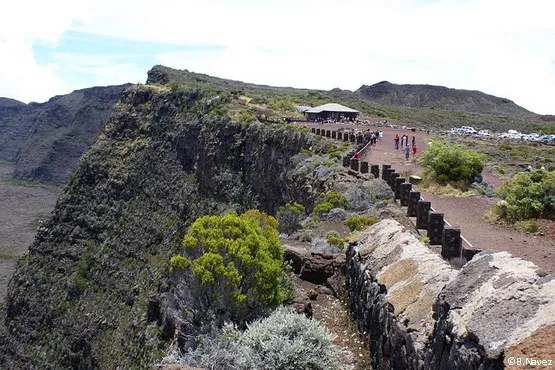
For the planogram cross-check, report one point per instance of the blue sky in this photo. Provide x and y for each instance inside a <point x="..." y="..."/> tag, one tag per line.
<point x="82" y="54"/>
<point x="501" y="47"/>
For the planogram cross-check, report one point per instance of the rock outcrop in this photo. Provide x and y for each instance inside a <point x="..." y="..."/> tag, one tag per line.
<point x="422" y="314"/>
<point x="316" y="267"/>
<point x="45" y="141"/>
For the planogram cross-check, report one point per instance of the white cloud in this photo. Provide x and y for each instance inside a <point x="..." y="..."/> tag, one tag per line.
<point x="500" y="47"/>
<point x="22" y="78"/>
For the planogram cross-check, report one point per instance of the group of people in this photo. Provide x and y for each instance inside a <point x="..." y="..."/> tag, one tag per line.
<point x="403" y="144"/>
<point x="373" y="137"/>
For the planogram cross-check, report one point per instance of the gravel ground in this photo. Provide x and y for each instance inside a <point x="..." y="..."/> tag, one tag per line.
<point x="21" y="208"/>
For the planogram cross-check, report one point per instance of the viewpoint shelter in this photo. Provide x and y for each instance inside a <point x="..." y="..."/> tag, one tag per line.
<point x="331" y="112"/>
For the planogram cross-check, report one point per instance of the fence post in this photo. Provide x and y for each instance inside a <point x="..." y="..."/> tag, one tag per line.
<point x="452" y="243"/>
<point x="346" y="161"/>
<point x="334" y="134"/>
<point x="404" y="192"/>
<point x="385" y="167"/>
<point x="354" y="164"/>
<point x="392" y="178"/>
<point x="313" y="130"/>
<point x="375" y="170"/>
<point x="328" y="133"/>
<point x="390" y="171"/>
<point x="414" y="197"/>
<point x="435" y="228"/>
<point x="363" y="167"/>
<point x="397" y="187"/>
<point x="339" y="135"/>
<point x="317" y="131"/>
<point x="422" y="210"/>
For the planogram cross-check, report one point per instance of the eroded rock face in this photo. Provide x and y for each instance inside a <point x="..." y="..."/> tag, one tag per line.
<point x="45" y="141"/>
<point x="95" y="289"/>
<point x="315" y="267"/>
<point x="495" y="302"/>
<point x="393" y="281"/>
<point x="422" y="314"/>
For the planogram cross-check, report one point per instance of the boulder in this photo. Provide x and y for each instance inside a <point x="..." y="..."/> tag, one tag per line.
<point x="315" y="267"/>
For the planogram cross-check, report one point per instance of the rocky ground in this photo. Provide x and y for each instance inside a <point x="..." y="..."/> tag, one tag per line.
<point x="21" y="209"/>
<point x="334" y="314"/>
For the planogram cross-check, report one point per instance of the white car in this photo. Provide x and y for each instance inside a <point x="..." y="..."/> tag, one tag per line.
<point x="484" y="133"/>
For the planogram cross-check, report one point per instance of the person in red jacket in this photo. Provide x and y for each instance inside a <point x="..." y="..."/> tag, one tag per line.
<point x="356" y="155"/>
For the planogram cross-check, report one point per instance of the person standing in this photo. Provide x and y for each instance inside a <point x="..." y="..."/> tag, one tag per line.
<point x="413" y="142"/>
<point x="396" y="140"/>
<point x="407" y="152"/>
<point x="414" y="151"/>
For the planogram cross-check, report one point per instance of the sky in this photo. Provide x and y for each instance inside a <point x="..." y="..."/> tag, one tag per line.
<point x="501" y="47"/>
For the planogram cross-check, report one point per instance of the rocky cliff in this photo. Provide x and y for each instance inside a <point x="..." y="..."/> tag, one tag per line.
<point x="93" y="290"/>
<point x="46" y="140"/>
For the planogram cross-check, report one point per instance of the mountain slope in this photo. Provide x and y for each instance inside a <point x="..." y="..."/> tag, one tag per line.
<point x="46" y="140"/>
<point x="164" y="158"/>
<point x="439" y="97"/>
<point x="8" y="102"/>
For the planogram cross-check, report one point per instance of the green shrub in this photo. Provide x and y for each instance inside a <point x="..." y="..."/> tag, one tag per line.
<point x="335" y="240"/>
<point x="527" y="195"/>
<point x="334" y="155"/>
<point x="323" y="207"/>
<point x="424" y="240"/>
<point x="530" y="226"/>
<point x="289" y="217"/>
<point x="235" y="261"/>
<point x="447" y="163"/>
<point x="357" y="223"/>
<point x="330" y="200"/>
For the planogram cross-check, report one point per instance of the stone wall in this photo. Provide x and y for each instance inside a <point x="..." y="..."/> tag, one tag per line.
<point x="421" y="313"/>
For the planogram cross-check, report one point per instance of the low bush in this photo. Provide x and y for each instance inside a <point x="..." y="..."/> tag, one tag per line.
<point x="335" y="155"/>
<point x="329" y="201"/>
<point x="527" y="195"/>
<point x="287" y="341"/>
<point x="529" y="226"/>
<point x="283" y="341"/>
<point x="289" y="217"/>
<point x="357" y="223"/>
<point x="445" y="163"/>
<point x="335" y="240"/>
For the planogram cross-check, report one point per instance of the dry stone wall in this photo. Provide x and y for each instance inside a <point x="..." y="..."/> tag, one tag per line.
<point x="421" y="313"/>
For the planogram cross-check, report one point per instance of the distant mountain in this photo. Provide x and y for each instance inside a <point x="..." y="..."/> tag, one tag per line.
<point x="46" y="140"/>
<point x="7" y="102"/>
<point x="439" y="97"/>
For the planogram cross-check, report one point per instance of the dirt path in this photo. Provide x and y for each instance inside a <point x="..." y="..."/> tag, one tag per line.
<point x="20" y="209"/>
<point x="466" y="212"/>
